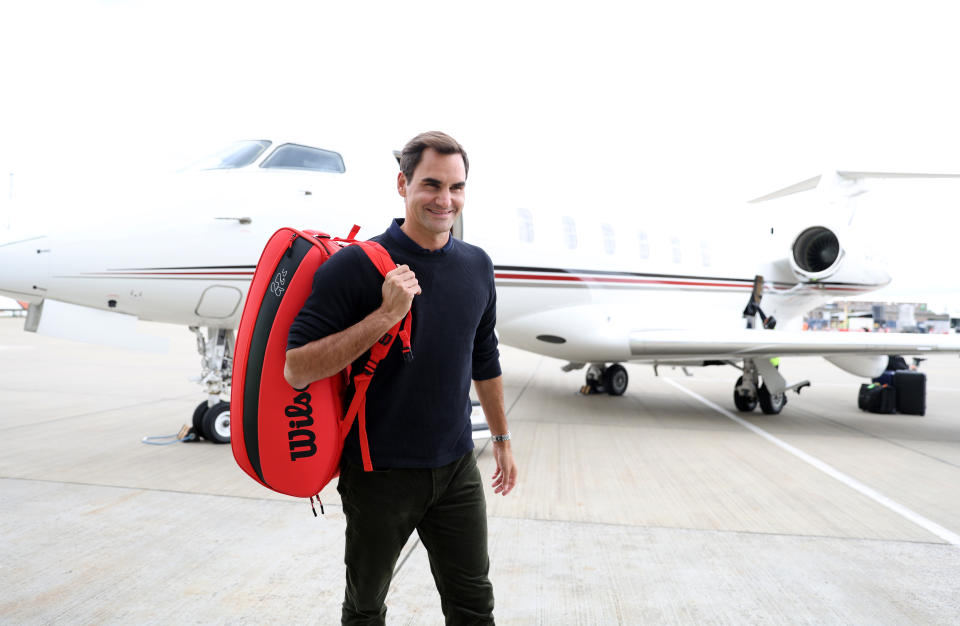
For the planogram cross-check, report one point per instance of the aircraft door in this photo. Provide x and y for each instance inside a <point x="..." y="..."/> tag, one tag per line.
<point x="219" y="302"/>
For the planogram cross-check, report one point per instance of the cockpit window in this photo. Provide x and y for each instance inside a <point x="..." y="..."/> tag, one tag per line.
<point x="239" y="154"/>
<point x="296" y="157"/>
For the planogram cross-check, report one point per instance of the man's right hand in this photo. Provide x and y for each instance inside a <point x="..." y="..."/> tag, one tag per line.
<point x="399" y="288"/>
<point x="327" y="356"/>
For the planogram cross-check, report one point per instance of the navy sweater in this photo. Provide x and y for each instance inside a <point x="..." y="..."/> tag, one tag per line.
<point x="418" y="412"/>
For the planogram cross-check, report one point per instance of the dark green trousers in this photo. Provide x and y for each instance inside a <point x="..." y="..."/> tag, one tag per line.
<point x="446" y="507"/>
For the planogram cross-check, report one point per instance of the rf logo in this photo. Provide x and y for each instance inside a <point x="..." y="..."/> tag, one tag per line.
<point x="279" y="284"/>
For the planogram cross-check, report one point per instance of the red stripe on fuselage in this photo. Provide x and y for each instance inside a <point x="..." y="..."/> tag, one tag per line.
<point x="555" y="278"/>
<point x="566" y="278"/>
<point x="619" y="280"/>
<point x="118" y="274"/>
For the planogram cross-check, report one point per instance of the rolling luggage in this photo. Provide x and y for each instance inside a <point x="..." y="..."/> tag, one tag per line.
<point x="877" y="398"/>
<point x="911" y="392"/>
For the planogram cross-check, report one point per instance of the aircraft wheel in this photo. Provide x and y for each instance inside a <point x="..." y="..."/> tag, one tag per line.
<point x="216" y="423"/>
<point x="198" y="414"/>
<point x="743" y="401"/>
<point x="615" y="379"/>
<point x="769" y="403"/>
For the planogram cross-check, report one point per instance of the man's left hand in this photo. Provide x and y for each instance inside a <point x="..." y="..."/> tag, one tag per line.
<point x="505" y="478"/>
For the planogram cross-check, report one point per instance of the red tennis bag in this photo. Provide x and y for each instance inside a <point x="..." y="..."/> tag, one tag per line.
<point x="290" y="439"/>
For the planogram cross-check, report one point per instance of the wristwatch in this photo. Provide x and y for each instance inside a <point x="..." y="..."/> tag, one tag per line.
<point x="505" y="437"/>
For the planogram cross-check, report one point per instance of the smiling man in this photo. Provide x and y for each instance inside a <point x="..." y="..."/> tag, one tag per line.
<point x="425" y="475"/>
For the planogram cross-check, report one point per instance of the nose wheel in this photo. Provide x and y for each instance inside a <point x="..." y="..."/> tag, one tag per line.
<point x="212" y="422"/>
<point x="211" y="418"/>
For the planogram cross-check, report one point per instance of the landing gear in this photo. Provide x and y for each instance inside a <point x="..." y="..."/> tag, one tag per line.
<point x="771" y="403"/>
<point x="615" y="379"/>
<point x="211" y="418"/>
<point x="198" y="414"/>
<point x="216" y="423"/>
<point x="744" y="398"/>
<point x="771" y="394"/>
<point x="212" y="422"/>
<point x="612" y="380"/>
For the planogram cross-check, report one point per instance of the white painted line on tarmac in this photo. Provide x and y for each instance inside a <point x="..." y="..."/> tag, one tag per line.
<point x="938" y="530"/>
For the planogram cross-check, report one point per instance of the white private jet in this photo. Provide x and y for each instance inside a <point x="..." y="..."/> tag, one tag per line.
<point x="592" y="292"/>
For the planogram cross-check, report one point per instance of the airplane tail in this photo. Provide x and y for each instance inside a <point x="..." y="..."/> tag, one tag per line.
<point x="842" y="183"/>
<point x="840" y="188"/>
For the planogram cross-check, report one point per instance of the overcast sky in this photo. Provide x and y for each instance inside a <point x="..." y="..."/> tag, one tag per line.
<point x="686" y="107"/>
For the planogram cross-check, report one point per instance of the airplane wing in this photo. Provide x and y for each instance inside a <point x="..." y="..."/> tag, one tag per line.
<point x="739" y="343"/>
<point x="589" y="334"/>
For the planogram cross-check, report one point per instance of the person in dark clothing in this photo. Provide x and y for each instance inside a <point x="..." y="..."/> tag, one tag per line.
<point x="896" y="362"/>
<point x="418" y="426"/>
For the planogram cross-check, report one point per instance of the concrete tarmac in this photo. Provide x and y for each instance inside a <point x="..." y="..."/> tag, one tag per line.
<point x="663" y="506"/>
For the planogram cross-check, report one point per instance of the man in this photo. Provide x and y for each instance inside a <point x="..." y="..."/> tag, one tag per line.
<point x="425" y="474"/>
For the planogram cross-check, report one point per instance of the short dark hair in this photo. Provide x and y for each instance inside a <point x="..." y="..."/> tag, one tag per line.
<point x="441" y="142"/>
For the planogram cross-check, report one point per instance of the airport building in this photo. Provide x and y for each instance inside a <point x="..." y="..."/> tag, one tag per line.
<point x="880" y="316"/>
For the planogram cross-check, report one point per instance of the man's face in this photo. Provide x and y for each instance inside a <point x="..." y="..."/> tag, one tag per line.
<point x="434" y="196"/>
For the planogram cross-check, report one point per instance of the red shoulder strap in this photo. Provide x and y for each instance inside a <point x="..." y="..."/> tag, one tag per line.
<point x="378" y="256"/>
<point x="357" y="410"/>
<point x="384" y="264"/>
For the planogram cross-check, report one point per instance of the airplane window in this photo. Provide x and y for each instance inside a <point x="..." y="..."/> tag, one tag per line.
<point x="705" y="252"/>
<point x="526" y="225"/>
<point x="609" y="243"/>
<point x="677" y="256"/>
<point x="239" y="154"/>
<point x="644" y="245"/>
<point x="569" y="232"/>
<point x="296" y="157"/>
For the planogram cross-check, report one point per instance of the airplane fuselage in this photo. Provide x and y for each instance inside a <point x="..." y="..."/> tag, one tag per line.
<point x="590" y="286"/>
<point x="573" y="299"/>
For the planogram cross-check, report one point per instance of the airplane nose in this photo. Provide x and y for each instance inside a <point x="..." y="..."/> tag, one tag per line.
<point x="24" y="267"/>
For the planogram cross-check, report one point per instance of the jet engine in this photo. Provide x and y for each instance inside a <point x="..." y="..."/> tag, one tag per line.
<point x="863" y="365"/>
<point x="817" y="255"/>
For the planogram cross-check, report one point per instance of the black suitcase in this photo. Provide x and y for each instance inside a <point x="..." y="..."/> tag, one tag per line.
<point x="911" y="392"/>
<point x="877" y="398"/>
<point x="863" y="399"/>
